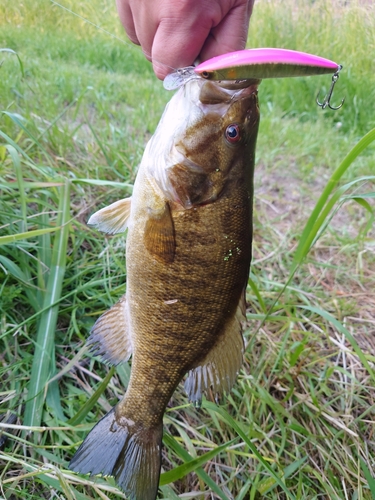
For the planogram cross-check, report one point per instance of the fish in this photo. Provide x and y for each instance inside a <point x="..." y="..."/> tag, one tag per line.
<point x="188" y="253"/>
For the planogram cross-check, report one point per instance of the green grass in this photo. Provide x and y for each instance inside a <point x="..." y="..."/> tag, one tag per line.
<point x="78" y="111"/>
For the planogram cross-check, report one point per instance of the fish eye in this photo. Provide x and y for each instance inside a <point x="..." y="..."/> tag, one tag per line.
<point x="232" y="133"/>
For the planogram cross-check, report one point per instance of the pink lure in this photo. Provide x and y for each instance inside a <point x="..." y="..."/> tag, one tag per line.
<point x="264" y="63"/>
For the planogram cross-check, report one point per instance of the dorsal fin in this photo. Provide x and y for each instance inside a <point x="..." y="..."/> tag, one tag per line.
<point x="110" y="337"/>
<point x="112" y="219"/>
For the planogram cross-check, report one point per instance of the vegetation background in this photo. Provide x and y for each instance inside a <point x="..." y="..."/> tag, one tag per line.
<point x="78" y="107"/>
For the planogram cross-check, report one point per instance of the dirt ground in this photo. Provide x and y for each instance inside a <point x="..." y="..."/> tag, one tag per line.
<point x="342" y="263"/>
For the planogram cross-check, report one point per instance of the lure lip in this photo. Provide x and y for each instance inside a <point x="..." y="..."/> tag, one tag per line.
<point x="271" y="59"/>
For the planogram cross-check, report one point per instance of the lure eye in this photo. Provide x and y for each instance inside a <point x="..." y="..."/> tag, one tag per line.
<point x="232" y="133"/>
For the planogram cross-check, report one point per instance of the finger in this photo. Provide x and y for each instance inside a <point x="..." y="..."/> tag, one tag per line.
<point x="175" y="47"/>
<point x="126" y="18"/>
<point x="230" y="34"/>
<point x="182" y="29"/>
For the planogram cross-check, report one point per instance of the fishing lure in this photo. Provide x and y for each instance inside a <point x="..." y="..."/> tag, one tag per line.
<point x="246" y="64"/>
<point x="259" y="64"/>
<point x="264" y="63"/>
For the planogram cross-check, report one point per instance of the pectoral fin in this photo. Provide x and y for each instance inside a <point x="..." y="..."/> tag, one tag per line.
<point x="159" y="237"/>
<point x="217" y="373"/>
<point x="110" y="337"/>
<point x="112" y="219"/>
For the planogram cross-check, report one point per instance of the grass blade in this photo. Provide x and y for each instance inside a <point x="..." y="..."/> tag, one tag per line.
<point x="45" y="337"/>
<point x="268" y="484"/>
<point x="340" y="327"/>
<point x="190" y="466"/>
<point x="92" y="401"/>
<point x="312" y="228"/>
<point x="323" y="207"/>
<point x="368" y="476"/>
<point x="10" y="51"/>
<point x="15" y="118"/>
<point x="11" y="238"/>
<point x="230" y="421"/>
<point x="17" y="167"/>
<point x="103" y="182"/>
<point x="182" y="453"/>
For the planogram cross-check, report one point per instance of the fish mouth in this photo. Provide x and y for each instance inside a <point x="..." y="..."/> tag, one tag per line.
<point x="243" y="89"/>
<point x="224" y="93"/>
<point x="238" y="84"/>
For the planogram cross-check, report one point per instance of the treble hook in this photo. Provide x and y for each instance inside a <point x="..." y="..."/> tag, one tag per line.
<point x="327" y="100"/>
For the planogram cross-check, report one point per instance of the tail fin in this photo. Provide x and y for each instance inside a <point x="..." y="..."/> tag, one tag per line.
<point x="115" y="448"/>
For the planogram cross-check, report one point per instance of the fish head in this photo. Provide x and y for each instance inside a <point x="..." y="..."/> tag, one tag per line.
<point x="205" y="141"/>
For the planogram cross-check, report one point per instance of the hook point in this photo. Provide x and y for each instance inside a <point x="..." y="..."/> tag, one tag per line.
<point x="327" y="99"/>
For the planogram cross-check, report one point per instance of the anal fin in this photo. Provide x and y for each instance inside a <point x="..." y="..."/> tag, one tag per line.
<point x="159" y="237"/>
<point x="217" y="372"/>
<point x="112" y="219"/>
<point x="110" y="336"/>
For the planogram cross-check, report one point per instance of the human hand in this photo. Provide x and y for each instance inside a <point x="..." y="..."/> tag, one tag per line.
<point x="174" y="33"/>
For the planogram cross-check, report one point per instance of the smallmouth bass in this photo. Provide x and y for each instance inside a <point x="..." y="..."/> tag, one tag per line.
<point x="188" y="254"/>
